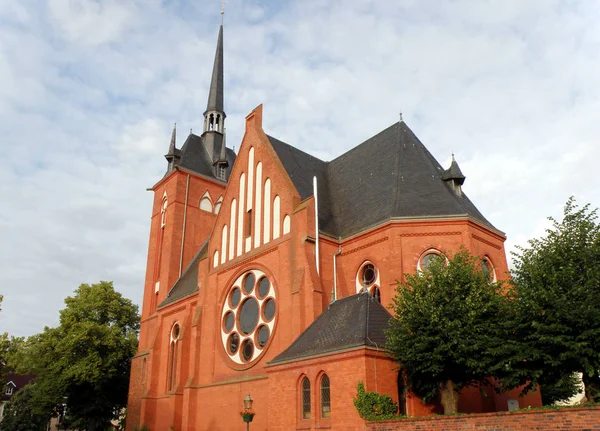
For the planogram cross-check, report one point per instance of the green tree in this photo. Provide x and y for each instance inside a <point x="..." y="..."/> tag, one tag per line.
<point x="557" y="288"/>
<point x="449" y="329"/>
<point x="559" y="387"/>
<point x="85" y="361"/>
<point x="7" y="344"/>
<point x="19" y="414"/>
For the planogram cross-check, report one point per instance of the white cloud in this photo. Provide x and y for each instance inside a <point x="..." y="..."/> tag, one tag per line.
<point x="90" y="22"/>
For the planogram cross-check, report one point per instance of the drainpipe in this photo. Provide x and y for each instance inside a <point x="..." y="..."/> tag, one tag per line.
<point x="334" y="293"/>
<point x="187" y="189"/>
<point x="369" y="299"/>
<point x="316" y="224"/>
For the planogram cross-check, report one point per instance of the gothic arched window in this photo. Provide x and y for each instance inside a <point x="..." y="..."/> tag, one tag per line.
<point x="163" y="212"/>
<point x="368" y="279"/>
<point x="325" y="397"/>
<point x="305" y="398"/>
<point x="173" y="356"/>
<point x="206" y="203"/>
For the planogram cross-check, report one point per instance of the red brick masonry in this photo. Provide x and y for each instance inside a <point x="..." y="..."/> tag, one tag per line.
<point x="572" y="419"/>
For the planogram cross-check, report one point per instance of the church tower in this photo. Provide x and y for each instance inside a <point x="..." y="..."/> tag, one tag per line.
<point x="186" y="199"/>
<point x="186" y="203"/>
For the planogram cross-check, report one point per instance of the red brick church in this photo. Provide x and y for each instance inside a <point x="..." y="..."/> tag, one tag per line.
<point x="270" y="273"/>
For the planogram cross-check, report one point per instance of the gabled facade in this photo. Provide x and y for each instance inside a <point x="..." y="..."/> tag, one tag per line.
<point x="269" y="273"/>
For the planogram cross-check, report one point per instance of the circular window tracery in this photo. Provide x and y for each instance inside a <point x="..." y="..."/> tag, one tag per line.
<point x="175" y="332"/>
<point x="234" y="297"/>
<point x="426" y="258"/>
<point x="249" y="283"/>
<point x="248" y="317"/>
<point x="368" y="279"/>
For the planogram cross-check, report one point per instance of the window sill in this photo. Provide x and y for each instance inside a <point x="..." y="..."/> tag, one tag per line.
<point x="304" y="424"/>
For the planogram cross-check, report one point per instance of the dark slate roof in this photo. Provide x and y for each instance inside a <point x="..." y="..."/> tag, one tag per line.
<point x="390" y="175"/>
<point x="215" y="95"/>
<point x="354" y="321"/>
<point x="188" y="282"/>
<point x="302" y="167"/>
<point x="195" y="157"/>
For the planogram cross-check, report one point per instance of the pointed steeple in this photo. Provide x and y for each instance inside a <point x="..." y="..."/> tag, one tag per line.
<point x="213" y="135"/>
<point x="454" y="176"/>
<point x="174" y="154"/>
<point x="215" y="95"/>
<point x="173" y="138"/>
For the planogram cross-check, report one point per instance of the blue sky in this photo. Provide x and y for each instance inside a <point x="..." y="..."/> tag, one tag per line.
<point x="90" y="89"/>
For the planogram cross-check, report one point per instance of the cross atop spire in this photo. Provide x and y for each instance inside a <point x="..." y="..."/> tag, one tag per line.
<point x="222" y="10"/>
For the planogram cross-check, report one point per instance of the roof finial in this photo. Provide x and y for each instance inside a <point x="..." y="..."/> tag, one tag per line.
<point x="222" y="10"/>
<point x="401" y="119"/>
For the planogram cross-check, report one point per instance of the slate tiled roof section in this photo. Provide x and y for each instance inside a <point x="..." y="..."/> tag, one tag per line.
<point x="354" y="321"/>
<point x="391" y="175"/>
<point x="302" y="167"/>
<point x="188" y="282"/>
<point x="195" y="157"/>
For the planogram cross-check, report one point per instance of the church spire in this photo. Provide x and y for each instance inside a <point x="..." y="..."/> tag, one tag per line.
<point x="213" y="136"/>
<point x="173" y="138"/>
<point x="214" y="116"/>
<point x="174" y="154"/>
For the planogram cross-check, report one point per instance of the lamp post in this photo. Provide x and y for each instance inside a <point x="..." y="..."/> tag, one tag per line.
<point x="248" y="414"/>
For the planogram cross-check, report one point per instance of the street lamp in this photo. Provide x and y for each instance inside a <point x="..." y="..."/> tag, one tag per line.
<point x="248" y="414"/>
<point x="248" y="402"/>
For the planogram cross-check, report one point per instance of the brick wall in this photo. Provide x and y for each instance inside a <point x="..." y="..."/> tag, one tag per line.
<point x="572" y="419"/>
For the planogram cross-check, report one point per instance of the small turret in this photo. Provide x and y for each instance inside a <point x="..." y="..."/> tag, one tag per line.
<point x="454" y="177"/>
<point x="174" y="154"/>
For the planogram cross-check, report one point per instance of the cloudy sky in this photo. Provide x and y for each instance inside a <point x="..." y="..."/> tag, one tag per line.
<point x="90" y="89"/>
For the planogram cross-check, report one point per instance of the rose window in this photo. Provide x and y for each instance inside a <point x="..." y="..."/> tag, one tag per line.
<point x="248" y="317"/>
